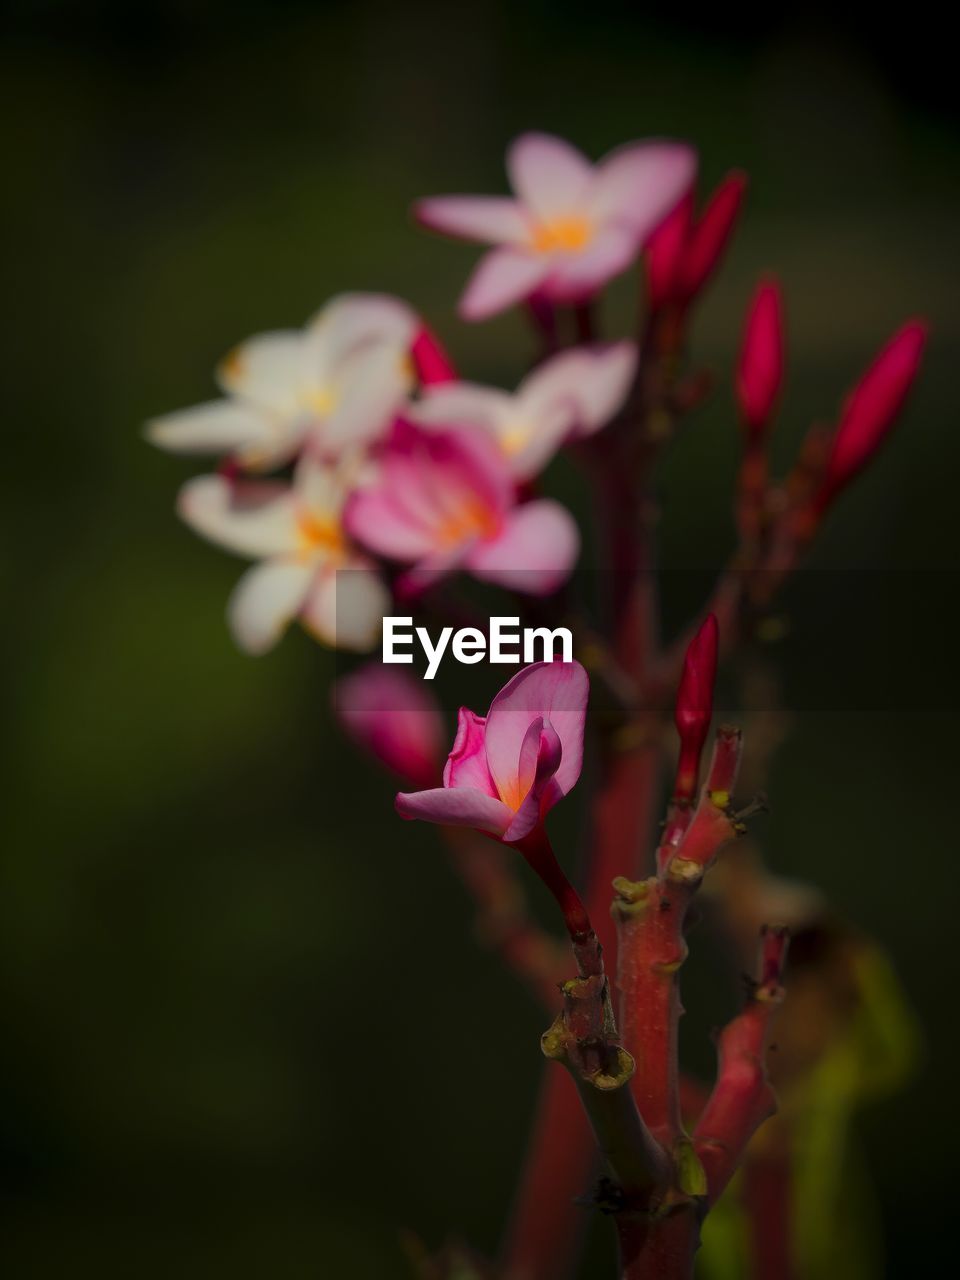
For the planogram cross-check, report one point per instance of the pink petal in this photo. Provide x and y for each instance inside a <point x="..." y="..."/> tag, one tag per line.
<point x="535" y="551"/>
<point x="456" y="807"/>
<point x="467" y="762"/>
<point x="374" y="519"/>
<point x="553" y="691"/>
<point x="489" y="219"/>
<point x="577" y="276"/>
<point x="543" y="792"/>
<point x="637" y="185"/>
<point x="550" y="176"/>
<point x="501" y="278"/>
<point x="390" y="714"/>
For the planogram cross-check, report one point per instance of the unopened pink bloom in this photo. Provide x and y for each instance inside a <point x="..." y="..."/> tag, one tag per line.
<point x="394" y="717"/>
<point x="694" y="705"/>
<point x="684" y="251"/>
<point x="760" y="368"/>
<point x="506" y="770"/>
<point x="430" y="360"/>
<point x="572" y="394"/>
<point x="443" y="500"/>
<point x="570" y="227"/>
<point x="871" y="408"/>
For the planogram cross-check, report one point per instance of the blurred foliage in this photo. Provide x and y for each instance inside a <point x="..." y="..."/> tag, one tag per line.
<point x="240" y="1001"/>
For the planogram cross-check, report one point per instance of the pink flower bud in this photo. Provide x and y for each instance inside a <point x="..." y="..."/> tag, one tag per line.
<point x="871" y="408"/>
<point x="664" y="253"/>
<point x="432" y="362"/>
<point x="709" y="237"/>
<point x="392" y="716"/>
<point x="694" y="706"/>
<point x="760" y="368"/>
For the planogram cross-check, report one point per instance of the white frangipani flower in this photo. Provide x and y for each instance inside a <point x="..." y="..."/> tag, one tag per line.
<point x="570" y="395"/>
<point x="295" y="531"/>
<point x="334" y="384"/>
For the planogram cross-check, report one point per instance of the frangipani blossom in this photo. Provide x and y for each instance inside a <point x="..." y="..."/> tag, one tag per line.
<point x="295" y="531"/>
<point x="442" y="500"/>
<point x="571" y="225"/>
<point x="393" y="716"/>
<point x="574" y="393"/>
<point x="506" y="770"/>
<point x="334" y="384"/>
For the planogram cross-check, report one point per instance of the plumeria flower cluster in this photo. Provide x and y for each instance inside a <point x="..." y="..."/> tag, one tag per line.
<point x="353" y="463"/>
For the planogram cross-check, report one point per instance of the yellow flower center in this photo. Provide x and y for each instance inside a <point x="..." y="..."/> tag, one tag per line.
<point x="513" y="439"/>
<point x="321" y="533"/>
<point x="320" y="400"/>
<point x="474" y="519"/>
<point x="566" y="234"/>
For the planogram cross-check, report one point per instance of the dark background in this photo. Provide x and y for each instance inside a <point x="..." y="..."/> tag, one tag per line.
<point x="243" y="1021"/>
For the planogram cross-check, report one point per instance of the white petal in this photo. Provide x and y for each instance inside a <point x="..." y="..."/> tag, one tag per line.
<point x="637" y="185"/>
<point x="608" y="375"/>
<point x="345" y="606"/>
<point x="461" y="404"/>
<point x="353" y="320"/>
<point x="252" y="518"/>
<point x="267" y="370"/>
<point x="264" y="601"/>
<point x="489" y="219"/>
<point x="371" y="387"/>
<point x="550" y="176"/>
<point x="219" y="426"/>
<point x="501" y="278"/>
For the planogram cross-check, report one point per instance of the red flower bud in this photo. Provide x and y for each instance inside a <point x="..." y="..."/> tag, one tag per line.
<point x="708" y="238"/>
<point x="871" y="408"/>
<point x="760" y="368"/>
<point x="665" y="251"/>
<point x="432" y="362"/>
<point x="694" y="706"/>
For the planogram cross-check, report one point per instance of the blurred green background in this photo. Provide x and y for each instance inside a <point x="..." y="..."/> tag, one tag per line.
<point x="228" y="973"/>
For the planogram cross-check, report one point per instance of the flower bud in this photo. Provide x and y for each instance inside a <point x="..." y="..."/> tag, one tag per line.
<point x="760" y="367"/>
<point x="708" y="239"/>
<point x="664" y="253"/>
<point x="694" y="706"/>
<point x="871" y="408"/>
<point x="432" y="363"/>
<point x="390" y="715"/>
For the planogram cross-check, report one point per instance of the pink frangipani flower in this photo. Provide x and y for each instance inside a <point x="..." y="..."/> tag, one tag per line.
<point x="571" y="225"/>
<point x="334" y="385"/>
<point x="507" y="769"/>
<point x="393" y="716"/>
<point x="443" y="500"/>
<point x="295" y="532"/>
<point x="572" y="394"/>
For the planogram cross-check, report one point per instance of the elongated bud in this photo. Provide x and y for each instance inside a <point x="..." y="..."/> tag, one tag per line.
<point x="663" y="256"/>
<point x="694" y="707"/>
<point x="392" y="717"/>
<point x="760" y="367"/>
<point x="871" y="408"/>
<point x="432" y="363"/>
<point x="711" y="234"/>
